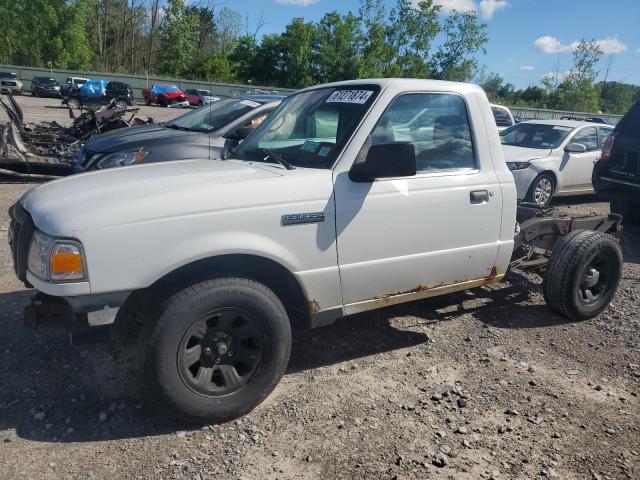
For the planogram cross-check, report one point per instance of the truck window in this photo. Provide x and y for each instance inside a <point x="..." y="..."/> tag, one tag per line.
<point x="309" y="128"/>
<point x="436" y="124"/>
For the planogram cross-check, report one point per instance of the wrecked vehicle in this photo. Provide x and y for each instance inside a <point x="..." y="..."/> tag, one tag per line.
<point x="201" y="133"/>
<point x="165" y="96"/>
<point x="48" y="148"/>
<point x="329" y="208"/>
<point x="100" y="92"/>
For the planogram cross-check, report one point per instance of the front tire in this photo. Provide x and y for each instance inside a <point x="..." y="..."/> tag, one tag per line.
<point x="541" y="190"/>
<point x="73" y="103"/>
<point x="217" y="350"/>
<point x="583" y="274"/>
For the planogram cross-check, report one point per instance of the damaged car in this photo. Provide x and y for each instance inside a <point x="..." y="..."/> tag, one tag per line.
<point x="202" y="133"/>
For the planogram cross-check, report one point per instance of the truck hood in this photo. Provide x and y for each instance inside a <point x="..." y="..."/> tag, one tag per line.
<point x="524" y="154"/>
<point x="145" y="193"/>
<point x="138" y="136"/>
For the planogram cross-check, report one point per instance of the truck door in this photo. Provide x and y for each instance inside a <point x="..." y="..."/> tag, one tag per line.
<point x="441" y="227"/>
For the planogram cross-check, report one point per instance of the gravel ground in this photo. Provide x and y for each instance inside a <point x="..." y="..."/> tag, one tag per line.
<point x="482" y="384"/>
<point x="38" y="109"/>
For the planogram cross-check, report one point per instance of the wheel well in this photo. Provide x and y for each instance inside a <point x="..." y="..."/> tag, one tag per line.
<point x="143" y="305"/>
<point x="553" y="175"/>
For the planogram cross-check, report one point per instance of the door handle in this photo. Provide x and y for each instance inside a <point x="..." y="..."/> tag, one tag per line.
<point x="479" y="196"/>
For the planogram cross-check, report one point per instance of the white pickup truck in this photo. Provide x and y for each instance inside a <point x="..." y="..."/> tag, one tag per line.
<point x="349" y="197"/>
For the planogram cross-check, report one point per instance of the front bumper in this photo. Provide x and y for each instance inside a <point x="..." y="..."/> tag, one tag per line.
<point x="182" y="104"/>
<point x="523" y="179"/>
<point x="73" y="314"/>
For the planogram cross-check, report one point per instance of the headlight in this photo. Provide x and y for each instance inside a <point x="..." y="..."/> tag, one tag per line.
<point x="55" y="259"/>
<point x="518" y="165"/>
<point x="121" y="159"/>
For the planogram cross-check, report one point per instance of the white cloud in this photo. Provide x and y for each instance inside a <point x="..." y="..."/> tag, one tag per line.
<point x="489" y="7"/>
<point x="549" y="44"/>
<point x="559" y="76"/>
<point x="611" y="45"/>
<point x="638" y="50"/>
<point x="527" y="68"/>
<point x="300" y="3"/>
<point x="448" y="6"/>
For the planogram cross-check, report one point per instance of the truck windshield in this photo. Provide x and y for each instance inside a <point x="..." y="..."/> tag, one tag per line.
<point x="214" y="116"/>
<point x="535" y="135"/>
<point x="310" y="128"/>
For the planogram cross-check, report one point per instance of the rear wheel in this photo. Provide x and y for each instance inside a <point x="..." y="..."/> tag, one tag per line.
<point x="629" y="211"/>
<point x="583" y="274"/>
<point x="217" y="349"/>
<point x="541" y="190"/>
<point x="121" y="104"/>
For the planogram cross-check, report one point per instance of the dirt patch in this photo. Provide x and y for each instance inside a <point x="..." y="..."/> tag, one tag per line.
<point x="481" y="384"/>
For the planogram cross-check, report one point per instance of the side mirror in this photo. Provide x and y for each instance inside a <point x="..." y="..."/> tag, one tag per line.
<point x="385" y="160"/>
<point x="575" y="148"/>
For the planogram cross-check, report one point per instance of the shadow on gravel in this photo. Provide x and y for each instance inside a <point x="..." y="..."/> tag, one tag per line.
<point x="631" y="244"/>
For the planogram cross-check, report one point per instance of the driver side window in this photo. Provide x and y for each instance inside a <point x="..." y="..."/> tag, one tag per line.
<point x="437" y="125"/>
<point x="587" y="137"/>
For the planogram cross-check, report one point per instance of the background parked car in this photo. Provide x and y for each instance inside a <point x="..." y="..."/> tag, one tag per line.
<point x="72" y="83"/>
<point x="100" y="92"/>
<point x="201" y="133"/>
<point x="9" y="82"/>
<point x="552" y="157"/>
<point x="503" y="116"/>
<point x="199" y="97"/>
<point x="165" y="96"/>
<point x="616" y="176"/>
<point x="45" y="87"/>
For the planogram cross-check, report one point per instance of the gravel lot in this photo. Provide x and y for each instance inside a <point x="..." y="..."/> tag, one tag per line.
<point x="482" y="384"/>
<point x="38" y="109"/>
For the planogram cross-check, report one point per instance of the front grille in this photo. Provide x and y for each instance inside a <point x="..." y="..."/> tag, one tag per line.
<point x="8" y="83"/>
<point x="22" y="228"/>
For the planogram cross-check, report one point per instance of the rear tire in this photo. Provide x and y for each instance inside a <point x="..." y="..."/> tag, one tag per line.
<point x="583" y="274"/>
<point x="217" y="350"/>
<point x="121" y="104"/>
<point x="628" y="210"/>
<point x="541" y="190"/>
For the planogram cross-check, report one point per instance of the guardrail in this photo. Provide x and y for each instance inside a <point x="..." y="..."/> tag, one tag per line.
<point x="540" y="114"/>
<point x="137" y="82"/>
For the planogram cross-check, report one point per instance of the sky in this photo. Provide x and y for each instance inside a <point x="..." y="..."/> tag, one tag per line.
<point x="528" y="39"/>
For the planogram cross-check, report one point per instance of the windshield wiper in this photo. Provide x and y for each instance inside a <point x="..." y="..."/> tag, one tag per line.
<point x="275" y="156"/>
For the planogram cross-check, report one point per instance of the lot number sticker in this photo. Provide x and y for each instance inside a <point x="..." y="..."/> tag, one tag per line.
<point x="349" y="96"/>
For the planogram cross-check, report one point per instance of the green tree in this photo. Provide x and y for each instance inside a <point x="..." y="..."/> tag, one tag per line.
<point x="464" y="38"/>
<point x="339" y="38"/>
<point x="179" y="33"/>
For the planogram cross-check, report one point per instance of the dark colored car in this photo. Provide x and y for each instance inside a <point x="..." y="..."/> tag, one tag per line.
<point x="45" y="87"/>
<point x="120" y="92"/>
<point x="616" y="176"/>
<point x="200" y="134"/>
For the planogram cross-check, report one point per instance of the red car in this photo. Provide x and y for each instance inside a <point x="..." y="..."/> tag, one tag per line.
<point x="165" y="96"/>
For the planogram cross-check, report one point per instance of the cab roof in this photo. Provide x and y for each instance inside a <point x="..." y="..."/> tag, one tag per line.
<point x="563" y="123"/>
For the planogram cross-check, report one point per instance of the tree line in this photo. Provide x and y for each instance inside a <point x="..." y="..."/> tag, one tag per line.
<point x="210" y="42"/>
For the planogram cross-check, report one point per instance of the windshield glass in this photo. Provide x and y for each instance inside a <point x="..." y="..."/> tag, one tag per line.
<point x="8" y="75"/>
<point x="310" y="128"/>
<point x="535" y="135"/>
<point x="204" y="93"/>
<point x="214" y="116"/>
<point x="48" y="81"/>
